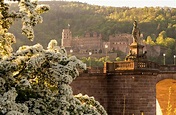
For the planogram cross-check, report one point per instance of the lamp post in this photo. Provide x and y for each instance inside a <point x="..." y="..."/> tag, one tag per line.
<point x="174" y="59"/>
<point x="106" y="47"/>
<point x="164" y="59"/>
<point x="90" y="53"/>
<point x="71" y="51"/>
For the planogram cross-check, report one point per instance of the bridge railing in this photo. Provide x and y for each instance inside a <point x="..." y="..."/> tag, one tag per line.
<point x="92" y="70"/>
<point x="112" y="67"/>
<point x="167" y="68"/>
<point x="146" y="65"/>
<point x="130" y="65"/>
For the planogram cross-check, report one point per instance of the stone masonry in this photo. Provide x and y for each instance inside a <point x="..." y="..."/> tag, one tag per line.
<point x="123" y="94"/>
<point x="126" y="87"/>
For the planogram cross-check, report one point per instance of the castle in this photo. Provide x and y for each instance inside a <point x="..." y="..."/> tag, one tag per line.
<point x="93" y="42"/>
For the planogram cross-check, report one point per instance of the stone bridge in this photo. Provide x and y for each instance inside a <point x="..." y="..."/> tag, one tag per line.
<point x="133" y="86"/>
<point x="128" y="87"/>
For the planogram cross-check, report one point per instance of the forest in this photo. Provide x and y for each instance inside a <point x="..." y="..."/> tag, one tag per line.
<point x="154" y="22"/>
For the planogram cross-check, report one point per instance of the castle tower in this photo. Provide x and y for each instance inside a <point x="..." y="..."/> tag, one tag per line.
<point x="66" y="38"/>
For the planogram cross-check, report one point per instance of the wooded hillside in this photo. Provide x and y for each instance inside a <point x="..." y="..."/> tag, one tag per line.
<point x="83" y="17"/>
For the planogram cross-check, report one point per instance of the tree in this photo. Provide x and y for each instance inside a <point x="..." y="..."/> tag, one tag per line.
<point x="35" y="81"/>
<point x="95" y="62"/>
<point x="170" y="42"/>
<point x="150" y="41"/>
<point x="160" y="40"/>
<point x="163" y="34"/>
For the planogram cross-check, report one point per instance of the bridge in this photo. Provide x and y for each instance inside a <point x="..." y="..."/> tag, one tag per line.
<point x="127" y="91"/>
<point x="132" y="86"/>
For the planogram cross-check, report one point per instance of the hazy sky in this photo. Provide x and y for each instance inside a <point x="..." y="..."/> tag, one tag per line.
<point x="130" y="3"/>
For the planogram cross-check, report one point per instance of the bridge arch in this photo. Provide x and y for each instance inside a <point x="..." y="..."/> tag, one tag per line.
<point x="167" y="75"/>
<point x="166" y="93"/>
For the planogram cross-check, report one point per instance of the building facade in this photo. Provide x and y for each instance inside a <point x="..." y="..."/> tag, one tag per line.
<point x="93" y="42"/>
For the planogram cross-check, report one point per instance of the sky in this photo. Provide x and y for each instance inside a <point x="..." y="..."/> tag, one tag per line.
<point x="130" y="3"/>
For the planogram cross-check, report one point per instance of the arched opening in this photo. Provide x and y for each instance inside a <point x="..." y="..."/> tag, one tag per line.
<point x="166" y="96"/>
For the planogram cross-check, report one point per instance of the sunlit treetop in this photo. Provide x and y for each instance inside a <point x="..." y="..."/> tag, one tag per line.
<point x="29" y="13"/>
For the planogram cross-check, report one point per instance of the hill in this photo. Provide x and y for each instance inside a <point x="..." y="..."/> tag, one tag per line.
<point x="106" y="20"/>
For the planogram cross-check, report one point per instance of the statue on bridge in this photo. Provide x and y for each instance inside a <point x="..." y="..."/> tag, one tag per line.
<point x="136" y="33"/>
<point x="136" y="52"/>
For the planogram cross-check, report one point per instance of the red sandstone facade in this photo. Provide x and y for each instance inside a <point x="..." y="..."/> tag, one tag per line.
<point x="93" y="42"/>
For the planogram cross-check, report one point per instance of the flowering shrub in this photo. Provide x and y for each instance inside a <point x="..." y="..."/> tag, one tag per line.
<point x="34" y="80"/>
<point x="29" y="12"/>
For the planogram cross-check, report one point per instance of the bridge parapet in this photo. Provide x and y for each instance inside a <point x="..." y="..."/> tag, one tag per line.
<point x="167" y="68"/>
<point x="116" y="67"/>
<point x="131" y="67"/>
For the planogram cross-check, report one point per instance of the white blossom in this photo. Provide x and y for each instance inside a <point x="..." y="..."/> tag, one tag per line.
<point x="25" y="83"/>
<point x="35" y="81"/>
<point x="14" y="113"/>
